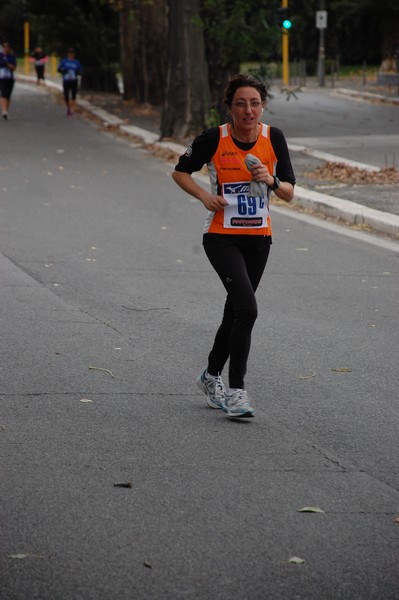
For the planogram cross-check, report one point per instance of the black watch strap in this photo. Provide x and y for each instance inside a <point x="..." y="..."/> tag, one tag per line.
<point x="276" y="183"/>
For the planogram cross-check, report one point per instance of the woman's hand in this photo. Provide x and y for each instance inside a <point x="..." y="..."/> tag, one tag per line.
<point x="213" y="202"/>
<point x="285" y="191"/>
<point x="187" y="183"/>
<point x="261" y="173"/>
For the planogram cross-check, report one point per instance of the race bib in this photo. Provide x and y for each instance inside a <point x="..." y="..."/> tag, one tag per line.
<point x="5" y="73"/>
<point x="70" y="75"/>
<point x="244" y="210"/>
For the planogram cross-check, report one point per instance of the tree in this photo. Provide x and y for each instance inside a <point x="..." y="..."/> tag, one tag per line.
<point x="223" y="21"/>
<point x="143" y="41"/>
<point x="12" y="16"/>
<point x="88" y="26"/>
<point x="187" y="97"/>
<point x="235" y="31"/>
<point x="372" y="25"/>
<point x="127" y="36"/>
<point x="357" y="30"/>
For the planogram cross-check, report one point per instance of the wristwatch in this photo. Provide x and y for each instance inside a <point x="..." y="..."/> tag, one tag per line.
<point x="276" y="183"/>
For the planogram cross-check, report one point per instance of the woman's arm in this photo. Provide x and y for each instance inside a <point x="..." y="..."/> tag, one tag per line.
<point x="285" y="191"/>
<point x="191" y="187"/>
<point x="260" y="173"/>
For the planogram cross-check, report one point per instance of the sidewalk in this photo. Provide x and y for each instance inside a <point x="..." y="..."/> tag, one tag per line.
<point x="142" y="124"/>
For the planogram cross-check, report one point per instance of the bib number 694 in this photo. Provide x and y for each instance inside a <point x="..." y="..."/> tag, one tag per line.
<point x="247" y="205"/>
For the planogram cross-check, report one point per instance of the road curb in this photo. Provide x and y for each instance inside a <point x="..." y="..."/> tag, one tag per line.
<point x="363" y="95"/>
<point x="330" y="206"/>
<point x="350" y="212"/>
<point x="331" y="157"/>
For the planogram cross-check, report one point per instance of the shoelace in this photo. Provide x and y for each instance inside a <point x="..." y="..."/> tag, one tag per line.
<point x="215" y="386"/>
<point x="238" y="397"/>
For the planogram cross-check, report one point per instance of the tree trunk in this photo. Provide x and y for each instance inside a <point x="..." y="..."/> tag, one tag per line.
<point x="143" y="40"/>
<point x="218" y="78"/>
<point x="187" y="98"/>
<point x="390" y="50"/>
<point x="127" y="33"/>
<point x="150" y="61"/>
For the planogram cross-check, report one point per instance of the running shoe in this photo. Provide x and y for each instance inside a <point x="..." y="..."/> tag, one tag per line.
<point x="213" y="388"/>
<point x="236" y="404"/>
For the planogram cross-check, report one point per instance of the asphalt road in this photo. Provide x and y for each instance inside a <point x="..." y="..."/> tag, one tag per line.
<point x="351" y="128"/>
<point x="108" y="309"/>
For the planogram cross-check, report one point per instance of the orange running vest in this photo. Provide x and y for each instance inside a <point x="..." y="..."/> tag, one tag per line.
<point x="229" y="176"/>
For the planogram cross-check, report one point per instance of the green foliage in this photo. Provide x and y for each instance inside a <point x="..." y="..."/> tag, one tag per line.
<point x="12" y="16"/>
<point x="90" y="26"/>
<point x="239" y="30"/>
<point x="357" y="30"/>
<point x="224" y="23"/>
<point x="367" y="29"/>
<point x="235" y="32"/>
<point x="291" y="93"/>
<point x="214" y="118"/>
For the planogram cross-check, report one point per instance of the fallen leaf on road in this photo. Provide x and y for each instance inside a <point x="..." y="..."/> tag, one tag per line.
<point x="128" y="484"/>
<point x="396" y="520"/>
<point x="342" y="370"/>
<point x="343" y="172"/>
<point x="22" y="556"/>
<point x="85" y="400"/>
<point x="296" y="560"/>
<point x="309" y="376"/>
<point x="311" y="509"/>
<point x="147" y="564"/>
<point x="101" y="369"/>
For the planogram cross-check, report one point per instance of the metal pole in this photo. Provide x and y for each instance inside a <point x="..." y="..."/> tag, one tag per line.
<point x="364" y="71"/>
<point x="322" y="52"/>
<point x="285" y="50"/>
<point x="26" y="47"/>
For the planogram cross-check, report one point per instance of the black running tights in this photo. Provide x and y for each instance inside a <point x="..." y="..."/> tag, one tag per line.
<point x="239" y="260"/>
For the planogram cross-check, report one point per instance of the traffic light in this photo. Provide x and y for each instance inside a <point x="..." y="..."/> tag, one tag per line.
<point x="284" y="17"/>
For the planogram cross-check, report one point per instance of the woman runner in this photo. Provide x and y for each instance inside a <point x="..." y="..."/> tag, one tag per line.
<point x="246" y="160"/>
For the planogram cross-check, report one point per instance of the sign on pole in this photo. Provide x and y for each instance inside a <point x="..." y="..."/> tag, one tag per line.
<point x="321" y="19"/>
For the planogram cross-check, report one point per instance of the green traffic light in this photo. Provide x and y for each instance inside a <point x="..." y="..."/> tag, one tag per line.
<point x="287" y="24"/>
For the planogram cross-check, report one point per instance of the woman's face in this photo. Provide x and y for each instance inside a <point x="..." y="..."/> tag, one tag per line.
<point x="246" y="108"/>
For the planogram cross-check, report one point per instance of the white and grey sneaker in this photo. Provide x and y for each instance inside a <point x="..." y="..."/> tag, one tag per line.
<point x="236" y="404"/>
<point x="213" y="388"/>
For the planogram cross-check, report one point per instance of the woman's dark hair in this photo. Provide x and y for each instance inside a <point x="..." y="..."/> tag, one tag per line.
<point x="238" y="81"/>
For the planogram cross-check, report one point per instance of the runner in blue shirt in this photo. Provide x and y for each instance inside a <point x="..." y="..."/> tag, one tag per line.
<point x="70" y="68"/>
<point x="8" y="65"/>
